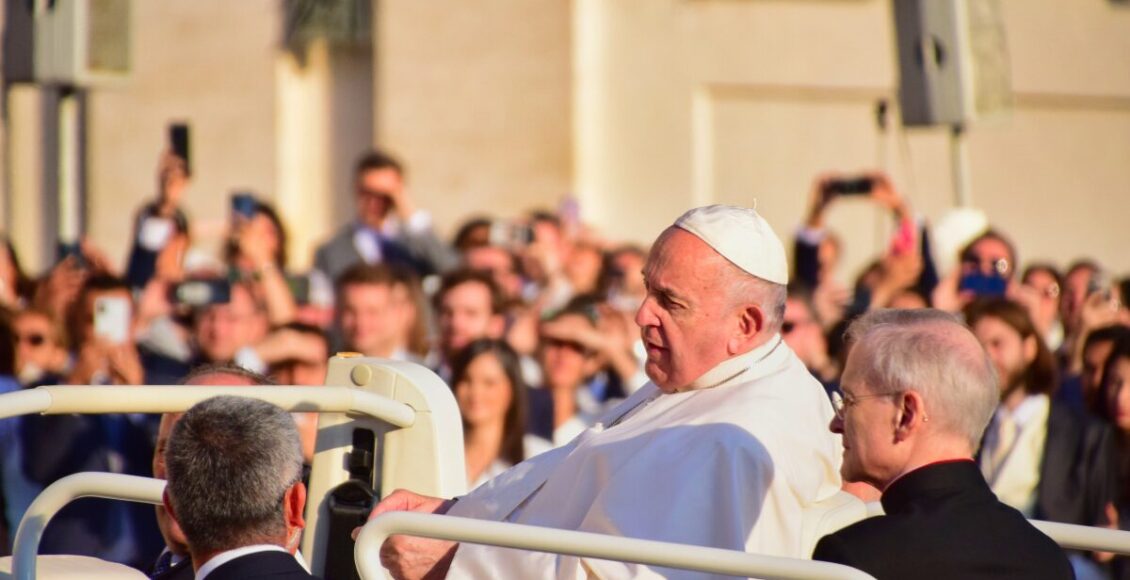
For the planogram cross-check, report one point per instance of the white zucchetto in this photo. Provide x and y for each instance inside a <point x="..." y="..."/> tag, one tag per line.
<point x="741" y="236"/>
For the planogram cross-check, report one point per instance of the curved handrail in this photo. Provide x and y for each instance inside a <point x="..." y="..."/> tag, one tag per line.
<point x="1076" y="537"/>
<point x="587" y="545"/>
<point x="56" y="400"/>
<point x="62" y="492"/>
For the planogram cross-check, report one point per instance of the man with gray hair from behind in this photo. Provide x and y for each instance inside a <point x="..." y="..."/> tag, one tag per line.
<point x="918" y="391"/>
<point x="235" y="488"/>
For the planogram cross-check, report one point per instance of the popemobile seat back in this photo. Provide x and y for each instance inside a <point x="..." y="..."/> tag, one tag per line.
<point x="426" y="457"/>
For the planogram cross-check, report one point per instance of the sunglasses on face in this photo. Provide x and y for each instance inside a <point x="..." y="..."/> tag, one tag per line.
<point x="32" y="339"/>
<point x="787" y="326"/>
<point x="999" y="265"/>
<point x="380" y="193"/>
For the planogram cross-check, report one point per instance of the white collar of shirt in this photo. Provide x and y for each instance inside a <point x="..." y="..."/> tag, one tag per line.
<point x="732" y="367"/>
<point x="1025" y="411"/>
<point x="225" y="557"/>
<point x="367" y="242"/>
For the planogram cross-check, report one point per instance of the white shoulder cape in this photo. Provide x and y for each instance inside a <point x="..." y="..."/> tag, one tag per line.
<point x="729" y="467"/>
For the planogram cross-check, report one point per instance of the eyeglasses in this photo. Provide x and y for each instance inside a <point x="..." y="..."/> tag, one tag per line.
<point x="373" y="193"/>
<point x="34" y="339"/>
<point x="840" y="402"/>
<point x="999" y="266"/>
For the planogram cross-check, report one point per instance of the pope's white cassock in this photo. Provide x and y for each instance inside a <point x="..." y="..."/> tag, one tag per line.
<point x="731" y="462"/>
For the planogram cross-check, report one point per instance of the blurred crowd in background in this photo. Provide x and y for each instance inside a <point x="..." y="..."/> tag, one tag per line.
<point x="530" y="321"/>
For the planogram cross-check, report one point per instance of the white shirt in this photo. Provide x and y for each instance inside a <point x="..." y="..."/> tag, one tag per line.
<point x="1016" y="479"/>
<point x="225" y="557"/>
<point x="733" y="466"/>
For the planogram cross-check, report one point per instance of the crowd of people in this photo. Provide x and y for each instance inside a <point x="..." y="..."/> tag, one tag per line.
<point x="533" y="323"/>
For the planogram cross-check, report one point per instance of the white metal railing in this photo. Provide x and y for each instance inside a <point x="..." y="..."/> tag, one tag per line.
<point x="56" y="400"/>
<point x="58" y="494"/>
<point x="586" y="545"/>
<point x="1075" y="537"/>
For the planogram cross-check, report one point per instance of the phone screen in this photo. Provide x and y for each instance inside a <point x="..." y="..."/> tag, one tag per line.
<point x="112" y="319"/>
<point x="198" y="293"/>
<point x="179" y="142"/>
<point x="243" y="205"/>
<point x="983" y="285"/>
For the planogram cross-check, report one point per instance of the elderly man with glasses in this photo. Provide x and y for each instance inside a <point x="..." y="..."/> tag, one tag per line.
<point x="918" y="391"/>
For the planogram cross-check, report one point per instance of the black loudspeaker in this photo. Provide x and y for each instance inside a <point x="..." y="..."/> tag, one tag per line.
<point x="953" y="61"/>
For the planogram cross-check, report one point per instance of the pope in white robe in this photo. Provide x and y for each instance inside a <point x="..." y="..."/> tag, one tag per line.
<point x="726" y="453"/>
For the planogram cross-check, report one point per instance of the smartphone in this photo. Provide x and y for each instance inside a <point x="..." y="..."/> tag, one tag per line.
<point x="299" y="288"/>
<point x="199" y="293"/>
<point x="857" y="186"/>
<point x="981" y="284"/>
<point x="510" y="234"/>
<point x="243" y="205"/>
<point x="179" y="142"/>
<point x="112" y="319"/>
<point x="71" y="250"/>
<point x="1099" y="283"/>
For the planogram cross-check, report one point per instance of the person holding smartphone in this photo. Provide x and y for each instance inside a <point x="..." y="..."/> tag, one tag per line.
<point x="388" y="227"/>
<point x="55" y="446"/>
<point x="256" y="256"/>
<point x="160" y="223"/>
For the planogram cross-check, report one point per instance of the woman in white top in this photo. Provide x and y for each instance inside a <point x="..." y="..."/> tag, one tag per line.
<point x="488" y="387"/>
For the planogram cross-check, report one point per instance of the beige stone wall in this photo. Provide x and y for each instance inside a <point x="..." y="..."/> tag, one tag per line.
<point x="476" y="97"/>
<point x="210" y="62"/>
<point x="642" y="107"/>
<point x="687" y="102"/>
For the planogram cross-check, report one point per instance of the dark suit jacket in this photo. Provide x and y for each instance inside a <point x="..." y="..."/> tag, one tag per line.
<point x="1079" y="473"/>
<point x="273" y="565"/>
<point x="422" y="254"/>
<point x="180" y="571"/>
<point x="942" y="521"/>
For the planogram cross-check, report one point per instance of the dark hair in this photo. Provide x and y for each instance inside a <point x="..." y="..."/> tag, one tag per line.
<point x="992" y="234"/>
<point x="468" y="276"/>
<point x="24" y="285"/>
<point x="1106" y="397"/>
<point x="1041" y="376"/>
<point x="269" y="212"/>
<point x="1120" y="350"/>
<point x="1111" y="333"/>
<point x="226" y="369"/>
<point x="266" y="210"/>
<point x="377" y="159"/>
<point x="468" y="236"/>
<point x="545" y="216"/>
<point x="514" y="428"/>
<point x="1045" y="267"/>
<point x="417" y="338"/>
<point x="375" y="274"/>
<point x="7" y="342"/>
<point x="1083" y="264"/>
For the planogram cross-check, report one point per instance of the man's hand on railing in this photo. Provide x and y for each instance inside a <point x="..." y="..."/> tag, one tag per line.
<point x="409" y="558"/>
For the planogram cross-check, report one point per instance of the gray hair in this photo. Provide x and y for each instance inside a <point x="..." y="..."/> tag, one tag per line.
<point x="934" y="354"/>
<point x="226" y="369"/>
<point x="742" y="288"/>
<point x="230" y="461"/>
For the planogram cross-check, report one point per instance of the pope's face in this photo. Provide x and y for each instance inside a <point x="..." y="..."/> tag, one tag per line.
<point x="684" y="319"/>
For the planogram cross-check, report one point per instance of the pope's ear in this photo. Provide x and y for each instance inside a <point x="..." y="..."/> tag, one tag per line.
<point x="751" y="321"/>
